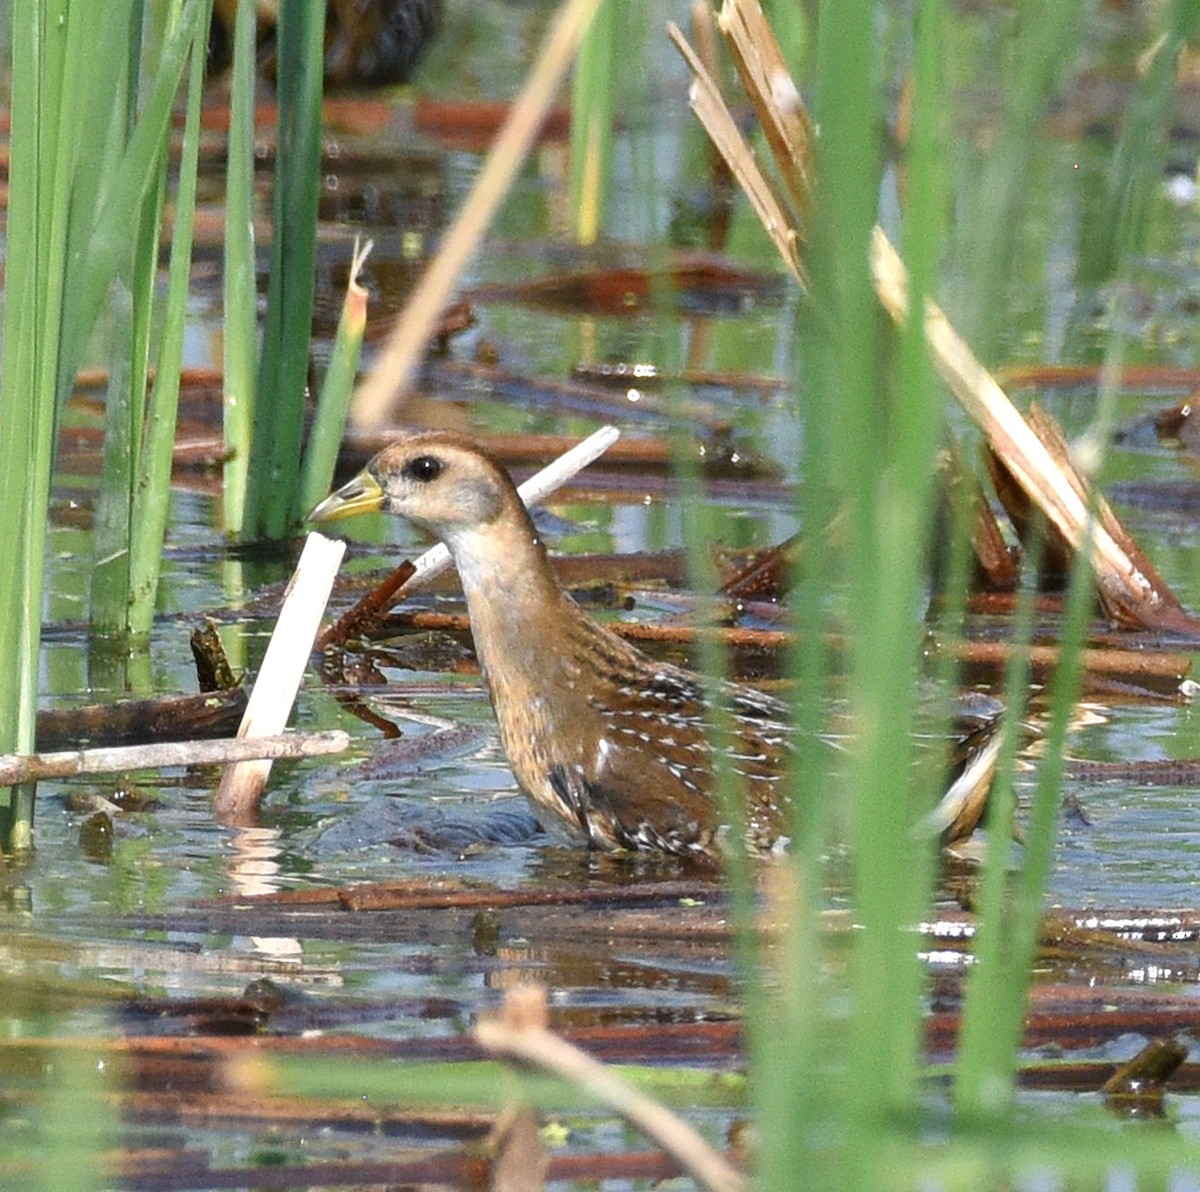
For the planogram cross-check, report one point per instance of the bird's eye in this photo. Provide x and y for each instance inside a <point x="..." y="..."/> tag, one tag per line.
<point x="424" y="468"/>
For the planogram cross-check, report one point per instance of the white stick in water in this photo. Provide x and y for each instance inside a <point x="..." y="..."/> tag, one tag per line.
<point x="281" y="673"/>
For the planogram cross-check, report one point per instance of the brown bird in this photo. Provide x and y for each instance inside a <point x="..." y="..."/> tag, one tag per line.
<point x="613" y="747"/>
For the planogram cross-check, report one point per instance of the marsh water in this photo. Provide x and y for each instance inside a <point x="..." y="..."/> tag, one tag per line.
<point x="121" y="908"/>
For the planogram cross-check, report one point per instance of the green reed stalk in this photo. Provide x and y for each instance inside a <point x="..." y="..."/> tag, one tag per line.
<point x="333" y="405"/>
<point x="1011" y="907"/>
<point x="848" y="1072"/>
<point x="102" y="246"/>
<point x="996" y="987"/>
<point x="241" y="292"/>
<point x="73" y="199"/>
<point x="592" y="107"/>
<point x="152" y="495"/>
<point x="131" y="308"/>
<point x="109" y="588"/>
<point x="1010" y="915"/>
<point x="882" y="438"/>
<point x="140" y="427"/>
<point x="894" y="866"/>
<point x="283" y="368"/>
<point x="101" y="63"/>
<point x="35" y="246"/>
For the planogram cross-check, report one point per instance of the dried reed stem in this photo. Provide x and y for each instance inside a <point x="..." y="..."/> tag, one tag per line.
<point x="22" y="767"/>
<point x="519" y="1033"/>
<point x="710" y="108"/>
<point x="1129" y="586"/>
<point x="380" y="394"/>
<point x="1082" y="518"/>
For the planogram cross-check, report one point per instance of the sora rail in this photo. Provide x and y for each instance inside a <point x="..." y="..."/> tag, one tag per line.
<point x="612" y="746"/>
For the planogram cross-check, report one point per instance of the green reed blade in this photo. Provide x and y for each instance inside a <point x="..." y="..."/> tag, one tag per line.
<point x="34" y="251"/>
<point x="866" y="435"/>
<point x="240" y="289"/>
<point x="333" y="404"/>
<point x="132" y="510"/>
<point x="131" y="308"/>
<point x="107" y="245"/>
<point x="73" y="199"/>
<point x="995" y="988"/>
<point x="152" y="496"/>
<point x="894" y="865"/>
<point x="592" y="107"/>
<point x="109" y="589"/>
<point x="104" y="64"/>
<point x="1011" y="907"/>
<point x="60" y="54"/>
<point x="283" y="368"/>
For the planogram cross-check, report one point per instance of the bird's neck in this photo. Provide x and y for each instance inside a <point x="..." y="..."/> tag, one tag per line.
<point x="513" y="599"/>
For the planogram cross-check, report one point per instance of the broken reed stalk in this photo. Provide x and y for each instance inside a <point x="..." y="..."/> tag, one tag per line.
<point x="519" y="1032"/>
<point x="1064" y="498"/>
<point x="119" y="759"/>
<point x="279" y="678"/>
<point x="706" y="101"/>
<point x="1129" y="586"/>
<point x="411" y="577"/>
<point x="380" y="395"/>
<point x="281" y="384"/>
<point x="781" y="112"/>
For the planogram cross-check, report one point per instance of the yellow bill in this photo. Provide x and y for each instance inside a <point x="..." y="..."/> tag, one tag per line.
<point x="360" y="495"/>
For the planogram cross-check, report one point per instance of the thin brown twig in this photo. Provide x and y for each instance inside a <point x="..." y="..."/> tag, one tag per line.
<point x="365" y="612"/>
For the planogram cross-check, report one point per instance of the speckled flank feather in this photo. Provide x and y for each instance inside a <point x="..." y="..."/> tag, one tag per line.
<point x="617" y="746"/>
<point x="656" y="718"/>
